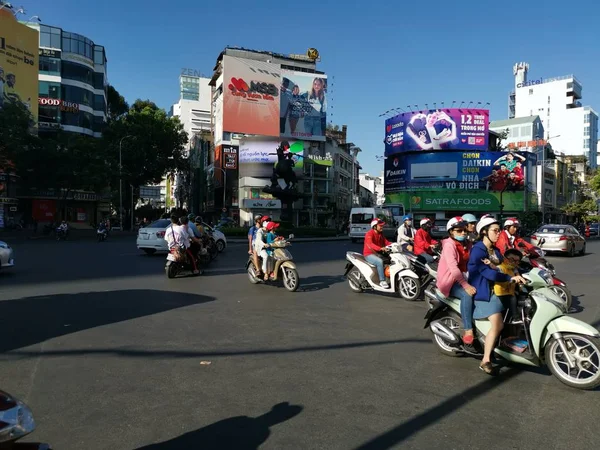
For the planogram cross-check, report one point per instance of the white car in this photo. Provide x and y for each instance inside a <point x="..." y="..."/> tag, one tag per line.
<point x="152" y="238"/>
<point x="7" y="257"/>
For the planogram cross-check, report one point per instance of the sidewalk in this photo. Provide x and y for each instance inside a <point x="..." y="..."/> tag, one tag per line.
<point x="74" y="235"/>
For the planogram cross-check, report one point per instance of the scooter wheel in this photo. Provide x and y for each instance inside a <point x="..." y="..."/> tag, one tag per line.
<point x="354" y="280"/>
<point x="171" y="270"/>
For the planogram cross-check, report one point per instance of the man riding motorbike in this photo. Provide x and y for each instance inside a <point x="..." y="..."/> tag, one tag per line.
<point x="406" y="234"/>
<point x="471" y="221"/>
<point x="509" y="238"/>
<point x="374" y="243"/>
<point x="424" y="242"/>
<point x="177" y="236"/>
<point x="195" y="243"/>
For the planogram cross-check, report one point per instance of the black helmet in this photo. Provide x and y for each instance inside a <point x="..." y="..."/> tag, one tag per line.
<point x="198" y="219"/>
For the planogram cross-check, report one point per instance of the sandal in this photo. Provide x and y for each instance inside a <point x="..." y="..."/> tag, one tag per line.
<point x="468" y="339"/>
<point x="488" y="368"/>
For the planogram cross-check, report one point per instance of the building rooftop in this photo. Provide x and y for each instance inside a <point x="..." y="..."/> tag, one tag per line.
<point x="511" y="122"/>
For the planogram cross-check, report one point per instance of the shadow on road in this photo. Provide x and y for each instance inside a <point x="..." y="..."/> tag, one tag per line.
<point x="576" y="306"/>
<point x="395" y="436"/>
<point x="214" y="353"/>
<point x="318" y="283"/>
<point x="241" y="432"/>
<point x="32" y="320"/>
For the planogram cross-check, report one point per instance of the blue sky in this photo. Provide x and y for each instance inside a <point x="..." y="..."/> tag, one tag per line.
<point x="380" y="54"/>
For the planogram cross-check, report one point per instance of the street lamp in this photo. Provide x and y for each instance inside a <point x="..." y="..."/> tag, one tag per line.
<point x="121" y="179"/>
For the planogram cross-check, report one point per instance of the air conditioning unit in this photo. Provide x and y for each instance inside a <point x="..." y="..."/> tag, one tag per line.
<point x="439" y="171"/>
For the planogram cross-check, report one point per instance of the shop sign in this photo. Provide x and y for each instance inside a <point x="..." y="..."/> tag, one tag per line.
<point x="250" y="203"/>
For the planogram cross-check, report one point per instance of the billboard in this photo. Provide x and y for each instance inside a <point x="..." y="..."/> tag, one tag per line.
<point x="19" y="63"/>
<point x="437" y="129"/>
<point x="250" y="96"/>
<point x="303" y="106"/>
<point x="459" y="180"/>
<point x="258" y="156"/>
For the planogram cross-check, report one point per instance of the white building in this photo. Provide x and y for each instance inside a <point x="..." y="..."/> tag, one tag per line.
<point x="373" y="184"/>
<point x="193" y="107"/>
<point x="569" y="127"/>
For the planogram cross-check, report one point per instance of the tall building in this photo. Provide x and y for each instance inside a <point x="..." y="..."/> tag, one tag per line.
<point x="262" y="100"/>
<point x="375" y="185"/>
<point x="194" y="105"/>
<point x="72" y="82"/>
<point x="570" y="127"/>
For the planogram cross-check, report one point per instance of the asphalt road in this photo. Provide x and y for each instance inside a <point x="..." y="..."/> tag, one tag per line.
<point x="110" y="354"/>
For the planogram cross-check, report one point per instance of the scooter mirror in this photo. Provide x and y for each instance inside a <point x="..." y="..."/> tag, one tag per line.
<point x="291" y="236"/>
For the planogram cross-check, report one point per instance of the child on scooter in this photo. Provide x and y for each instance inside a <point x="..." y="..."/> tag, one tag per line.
<point x="506" y="290"/>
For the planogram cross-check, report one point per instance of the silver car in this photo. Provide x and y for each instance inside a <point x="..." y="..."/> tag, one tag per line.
<point x="7" y="257"/>
<point x="563" y="239"/>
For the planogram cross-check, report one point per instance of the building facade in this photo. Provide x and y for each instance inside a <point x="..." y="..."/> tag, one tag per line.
<point x="569" y="126"/>
<point x="72" y="82"/>
<point x="374" y="185"/>
<point x="261" y="101"/>
<point x="194" y="105"/>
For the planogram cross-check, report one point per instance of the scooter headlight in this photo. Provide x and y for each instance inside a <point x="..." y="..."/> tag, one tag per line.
<point x="16" y="419"/>
<point x="546" y="276"/>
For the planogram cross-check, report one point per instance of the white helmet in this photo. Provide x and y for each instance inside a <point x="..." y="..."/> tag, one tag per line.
<point x="484" y="222"/>
<point x="456" y="222"/>
<point x="424" y="221"/>
<point x="512" y="221"/>
<point x="376" y="222"/>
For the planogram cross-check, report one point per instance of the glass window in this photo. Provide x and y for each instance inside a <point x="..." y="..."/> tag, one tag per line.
<point x="49" y="66"/>
<point x="79" y="119"/>
<point x="55" y="41"/>
<point x="98" y="80"/>
<point x="98" y="55"/>
<point x="98" y="124"/>
<point x="49" y="90"/>
<point x="99" y="103"/>
<point x="49" y="114"/>
<point x="77" y="72"/>
<point x="45" y="40"/>
<point x="530" y="91"/>
<point x="66" y="44"/>
<point x="55" y="30"/>
<point x="586" y="118"/>
<point x="77" y="95"/>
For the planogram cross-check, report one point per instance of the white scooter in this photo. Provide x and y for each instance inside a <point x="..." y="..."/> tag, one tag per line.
<point x="362" y="275"/>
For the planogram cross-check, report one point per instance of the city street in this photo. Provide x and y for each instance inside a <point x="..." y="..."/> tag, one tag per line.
<point x="110" y="354"/>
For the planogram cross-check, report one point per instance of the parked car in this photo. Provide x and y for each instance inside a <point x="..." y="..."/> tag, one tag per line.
<point x="7" y="257"/>
<point x="559" y="239"/>
<point x="438" y="231"/>
<point x="594" y="229"/>
<point x="152" y="238"/>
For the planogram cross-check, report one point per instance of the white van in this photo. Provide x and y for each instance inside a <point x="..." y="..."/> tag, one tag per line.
<point x="360" y="222"/>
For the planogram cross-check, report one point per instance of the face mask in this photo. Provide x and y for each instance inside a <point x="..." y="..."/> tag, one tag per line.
<point x="460" y="237"/>
<point x="408" y="223"/>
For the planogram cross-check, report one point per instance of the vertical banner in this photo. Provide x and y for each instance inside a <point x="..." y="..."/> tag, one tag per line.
<point x="303" y="105"/>
<point x="250" y="96"/>
<point x="19" y="66"/>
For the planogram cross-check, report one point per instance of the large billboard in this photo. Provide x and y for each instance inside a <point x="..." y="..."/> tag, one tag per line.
<point x="303" y="106"/>
<point x="258" y="156"/>
<point x="250" y="96"/>
<point x="19" y="64"/>
<point x="437" y="129"/>
<point x="459" y="180"/>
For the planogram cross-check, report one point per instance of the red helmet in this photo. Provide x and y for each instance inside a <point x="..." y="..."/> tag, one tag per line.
<point x="512" y="221"/>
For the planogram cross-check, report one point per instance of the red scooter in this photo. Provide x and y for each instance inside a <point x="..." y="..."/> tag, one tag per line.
<point x="540" y="262"/>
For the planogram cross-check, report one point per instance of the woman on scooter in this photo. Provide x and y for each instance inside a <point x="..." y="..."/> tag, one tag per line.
<point x="452" y="269"/>
<point x="482" y="267"/>
<point x="471" y="223"/>
<point x="424" y="242"/>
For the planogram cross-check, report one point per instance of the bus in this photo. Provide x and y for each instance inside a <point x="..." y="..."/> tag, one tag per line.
<point x="397" y="211"/>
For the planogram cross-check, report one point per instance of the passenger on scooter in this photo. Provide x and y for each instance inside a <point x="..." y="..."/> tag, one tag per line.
<point x="406" y="234"/>
<point x="375" y="241"/>
<point x="509" y="238"/>
<point x="424" y="242"/>
<point x="195" y="243"/>
<point x="178" y="237"/>
<point x="452" y="272"/>
<point x="471" y="223"/>
<point x="270" y="238"/>
<point x="260" y="246"/>
<point x="482" y="267"/>
<point x="506" y="291"/>
<point x="258" y="220"/>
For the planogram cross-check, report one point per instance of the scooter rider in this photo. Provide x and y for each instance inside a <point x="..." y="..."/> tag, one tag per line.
<point x="424" y="242"/>
<point x="406" y="234"/>
<point x="374" y="243"/>
<point x="452" y="272"/>
<point x="471" y="221"/>
<point x="509" y="239"/>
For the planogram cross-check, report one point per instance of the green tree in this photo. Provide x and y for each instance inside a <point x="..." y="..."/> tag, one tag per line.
<point x="595" y="184"/>
<point x="586" y="210"/>
<point x="15" y="135"/>
<point x="117" y="106"/>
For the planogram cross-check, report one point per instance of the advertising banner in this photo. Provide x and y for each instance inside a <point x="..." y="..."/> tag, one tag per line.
<point x="455" y="180"/>
<point x="303" y="105"/>
<point x="250" y="96"/>
<point x="318" y="156"/>
<point x="437" y="129"/>
<point x="257" y="157"/>
<point x="230" y="157"/>
<point x="19" y="64"/>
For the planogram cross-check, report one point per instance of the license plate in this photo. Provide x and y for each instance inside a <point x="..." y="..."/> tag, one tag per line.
<point x="355" y="229"/>
<point x="171" y="257"/>
<point x="145" y="236"/>
<point x="555" y="239"/>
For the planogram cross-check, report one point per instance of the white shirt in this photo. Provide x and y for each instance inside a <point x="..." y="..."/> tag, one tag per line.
<point x="404" y="236"/>
<point x="176" y="235"/>
<point x="259" y="242"/>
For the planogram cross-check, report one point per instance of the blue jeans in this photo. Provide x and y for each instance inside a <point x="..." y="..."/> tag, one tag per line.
<point x="378" y="262"/>
<point x="466" y="305"/>
<point x="427" y="257"/>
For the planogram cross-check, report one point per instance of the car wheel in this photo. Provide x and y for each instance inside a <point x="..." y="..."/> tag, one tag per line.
<point x="149" y="251"/>
<point x="572" y="251"/>
<point x="220" y="245"/>
<point x="582" y="252"/>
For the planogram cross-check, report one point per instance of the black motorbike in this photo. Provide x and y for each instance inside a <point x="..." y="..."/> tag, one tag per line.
<point x="178" y="262"/>
<point x="16" y="421"/>
<point x="61" y="235"/>
<point x="102" y="234"/>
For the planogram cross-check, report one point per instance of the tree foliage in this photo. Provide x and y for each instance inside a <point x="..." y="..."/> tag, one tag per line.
<point x="586" y="210"/>
<point x="117" y="106"/>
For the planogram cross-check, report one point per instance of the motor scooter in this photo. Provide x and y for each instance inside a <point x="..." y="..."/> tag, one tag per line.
<point x="427" y="271"/>
<point x="281" y="264"/>
<point x="16" y="421"/>
<point x="544" y="335"/>
<point x="178" y="261"/>
<point x="101" y="234"/>
<point x="540" y="262"/>
<point x="402" y="280"/>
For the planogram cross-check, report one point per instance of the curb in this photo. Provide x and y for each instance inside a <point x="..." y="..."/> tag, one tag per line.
<point x="72" y="237"/>
<point x="306" y="239"/>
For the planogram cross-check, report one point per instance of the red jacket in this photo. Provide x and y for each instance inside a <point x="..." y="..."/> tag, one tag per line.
<point x="423" y="242"/>
<point x="504" y="244"/>
<point x="374" y="242"/>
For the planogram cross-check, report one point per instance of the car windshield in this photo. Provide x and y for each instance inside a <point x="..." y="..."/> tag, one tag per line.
<point x="361" y="218"/>
<point x="440" y="223"/>
<point x="161" y="223"/>
<point x="552" y="230"/>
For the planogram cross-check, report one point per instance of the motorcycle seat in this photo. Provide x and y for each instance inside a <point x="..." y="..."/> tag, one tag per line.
<point x="360" y="257"/>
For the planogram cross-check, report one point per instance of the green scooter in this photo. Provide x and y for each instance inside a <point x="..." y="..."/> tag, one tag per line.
<point x="545" y="335"/>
